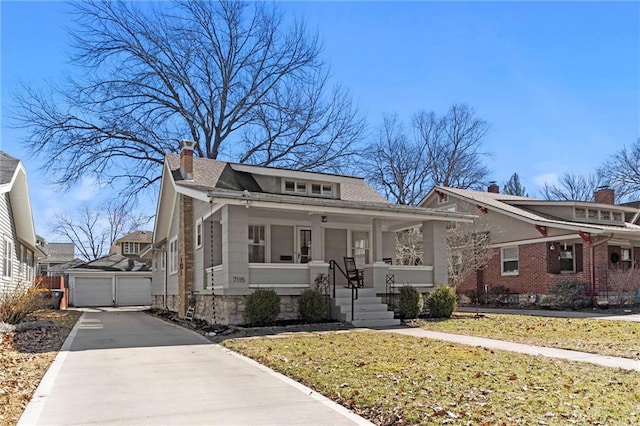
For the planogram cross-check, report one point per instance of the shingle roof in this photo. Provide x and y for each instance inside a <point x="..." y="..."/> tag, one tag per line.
<point x="115" y="263"/>
<point x="8" y="167"/>
<point x="211" y="174"/>
<point x="500" y="202"/>
<point x="137" y="237"/>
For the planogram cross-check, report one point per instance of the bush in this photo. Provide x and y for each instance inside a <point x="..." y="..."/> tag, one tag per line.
<point x="411" y="302"/>
<point x="16" y="305"/>
<point x="311" y="306"/>
<point x="263" y="307"/>
<point x="570" y="294"/>
<point x="442" y="302"/>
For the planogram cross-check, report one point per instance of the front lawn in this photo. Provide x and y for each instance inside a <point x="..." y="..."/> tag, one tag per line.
<point x="604" y="337"/>
<point x="395" y="379"/>
<point x="25" y="356"/>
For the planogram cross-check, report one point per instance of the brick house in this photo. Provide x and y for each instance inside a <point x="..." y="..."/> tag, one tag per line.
<point x="223" y="229"/>
<point x="539" y="243"/>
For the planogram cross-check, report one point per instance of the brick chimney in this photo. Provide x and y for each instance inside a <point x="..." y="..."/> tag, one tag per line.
<point x="493" y="187"/>
<point x="186" y="159"/>
<point x="604" y="195"/>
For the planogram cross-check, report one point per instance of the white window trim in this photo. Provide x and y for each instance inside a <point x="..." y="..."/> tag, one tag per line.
<point x="173" y="256"/>
<point x="198" y="233"/>
<point x="8" y="258"/>
<point x="503" y="259"/>
<point x="265" y="244"/>
<point x="573" y="258"/>
<point x="308" y="188"/>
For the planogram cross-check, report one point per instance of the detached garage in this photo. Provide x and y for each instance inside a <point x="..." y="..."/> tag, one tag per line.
<point x="113" y="280"/>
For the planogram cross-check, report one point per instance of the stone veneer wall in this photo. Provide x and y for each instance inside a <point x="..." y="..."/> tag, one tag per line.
<point x="229" y="310"/>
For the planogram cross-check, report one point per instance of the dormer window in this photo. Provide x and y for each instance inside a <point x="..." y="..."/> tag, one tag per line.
<point x="605" y="215"/>
<point x="581" y="213"/>
<point x="617" y="217"/>
<point x="130" y="248"/>
<point x="315" y="189"/>
<point x="592" y="214"/>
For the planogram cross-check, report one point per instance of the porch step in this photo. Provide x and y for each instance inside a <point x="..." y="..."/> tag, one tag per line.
<point x="368" y="310"/>
<point x="376" y="323"/>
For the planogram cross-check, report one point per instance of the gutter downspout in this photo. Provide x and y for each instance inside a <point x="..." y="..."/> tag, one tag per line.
<point x="164" y="276"/>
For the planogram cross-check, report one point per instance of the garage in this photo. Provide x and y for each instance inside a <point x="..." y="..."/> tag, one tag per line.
<point x="113" y="280"/>
<point x="93" y="292"/>
<point x="133" y="291"/>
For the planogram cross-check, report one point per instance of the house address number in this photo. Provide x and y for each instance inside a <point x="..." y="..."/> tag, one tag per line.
<point x="238" y="279"/>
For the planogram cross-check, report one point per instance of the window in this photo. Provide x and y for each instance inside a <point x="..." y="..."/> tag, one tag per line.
<point x="130" y="248"/>
<point x="8" y="257"/>
<point x="580" y="213"/>
<point x="163" y="260"/>
<point x="593" y="214"/>
<point x="617" y="216"/>
<point x="256" y="244"/>
<point x="21" y="259"/>
<point x="510" y="262"/>
<point x="307" y="188"/>
<point x="199" y="233"/>
<point x="30" y="264"/>
<point x="567" y="261"/>
<point x="173" y="256"/>
<point x="605" y="215"/>
<point x="451" y="224"/>
<point x="360" y="247"/>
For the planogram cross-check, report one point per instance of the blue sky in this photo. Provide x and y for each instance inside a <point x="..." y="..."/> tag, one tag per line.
<point x="559" y="82"/>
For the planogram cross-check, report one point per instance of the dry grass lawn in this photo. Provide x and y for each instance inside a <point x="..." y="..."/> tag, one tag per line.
<point x="25" y="356"/>
<point x="604" y="337"/>
<point x="393" y="379"/>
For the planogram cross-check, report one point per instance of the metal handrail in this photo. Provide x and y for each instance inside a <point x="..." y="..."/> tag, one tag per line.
<point x="354" y="289"/>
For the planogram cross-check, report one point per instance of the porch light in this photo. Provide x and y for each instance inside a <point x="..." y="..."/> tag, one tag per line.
<point x="324" y="218"/>
<point x="552" y="247"/>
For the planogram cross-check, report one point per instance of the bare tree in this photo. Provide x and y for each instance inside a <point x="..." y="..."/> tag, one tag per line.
<point x="443" y="150"/>
<point x="514" y="187"/>
<point x="231" y="76"/>
<point x="94" y="229"/>
<point x="409" y="247"/>
<point x="622" y="172"/>
<point x="468" y="246"/>
<point x="572" y="187"/>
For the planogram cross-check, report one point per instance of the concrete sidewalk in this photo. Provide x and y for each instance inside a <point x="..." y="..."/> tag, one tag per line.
<point x="606" y="361"/>
<point x="555" y="314"/>
<point x="130" y="368"/>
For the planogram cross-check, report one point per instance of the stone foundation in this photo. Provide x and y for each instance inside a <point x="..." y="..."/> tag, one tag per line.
<point x="227" y="310"/>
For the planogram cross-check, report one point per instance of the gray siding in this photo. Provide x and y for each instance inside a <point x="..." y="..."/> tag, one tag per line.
<point x="335" y="248"/>
<point x="21" y="274"/>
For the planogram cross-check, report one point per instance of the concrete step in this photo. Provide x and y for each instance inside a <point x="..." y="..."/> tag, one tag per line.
<point x="361" y="300"/>
<point x="360" y="315"/>
<point x="342" y="292"/>
<point x="378" y="307"/>
<point x="372" y="323"/>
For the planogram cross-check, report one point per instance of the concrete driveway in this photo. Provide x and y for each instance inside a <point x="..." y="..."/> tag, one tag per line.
<point x="120" y="367"/>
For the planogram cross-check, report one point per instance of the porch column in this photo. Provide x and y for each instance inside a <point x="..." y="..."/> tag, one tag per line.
<point x="434" y="243"/>
<point x="376" y="241"/>
<point x="316" y="238"/>
<point x="235" y="249"/>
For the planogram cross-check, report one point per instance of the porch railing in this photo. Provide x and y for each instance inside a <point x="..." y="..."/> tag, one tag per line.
<point x="333" y="265"/>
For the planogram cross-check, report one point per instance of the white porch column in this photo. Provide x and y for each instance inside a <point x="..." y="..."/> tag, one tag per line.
<point x="376" y="241"/>
<point x="235" y="248"/>
<point x="316" y="238"/>
<point x="434" y="243"/>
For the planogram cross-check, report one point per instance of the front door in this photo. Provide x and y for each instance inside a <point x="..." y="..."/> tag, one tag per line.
<point x="304" y="245"/>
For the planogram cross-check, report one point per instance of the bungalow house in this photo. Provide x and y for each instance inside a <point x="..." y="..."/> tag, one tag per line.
<point x="537" y="243"/>
<point x="18" y="246"/>
<point x="223" y="230"/>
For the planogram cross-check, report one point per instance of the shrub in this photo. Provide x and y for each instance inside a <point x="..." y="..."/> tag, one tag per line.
<point x="570" y="294"/>
<point x="263" y="307"/>
<point x="442" y="302"/>
<point x="411" y="302"/>
<point x="17" y="304"/>
<point x="311" y="306"/>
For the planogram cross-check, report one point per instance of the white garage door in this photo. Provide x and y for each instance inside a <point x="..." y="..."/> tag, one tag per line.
<point x="133" y="291"/>
<point x="93" y="292"/>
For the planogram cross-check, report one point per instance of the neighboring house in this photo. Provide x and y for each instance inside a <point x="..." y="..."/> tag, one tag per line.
<point x="222" y="230"/>
<point x="18" y="246"/>
<point x="133" y="245"/>
<point x="57" y="254"/>
<point x="541" y="243"/>
<point x="112" y="280"/>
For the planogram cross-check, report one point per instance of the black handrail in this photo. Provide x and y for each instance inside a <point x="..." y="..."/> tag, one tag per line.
<point x="354" y="289"/>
